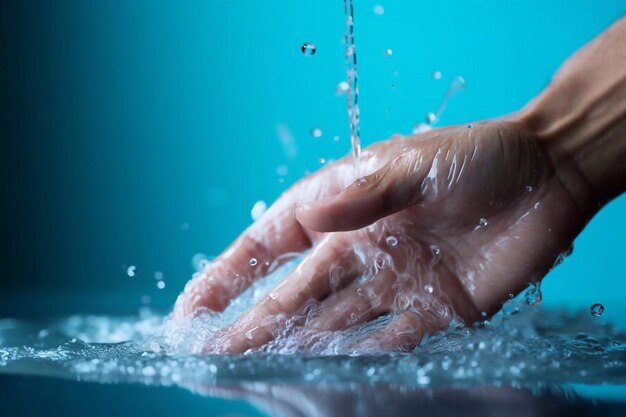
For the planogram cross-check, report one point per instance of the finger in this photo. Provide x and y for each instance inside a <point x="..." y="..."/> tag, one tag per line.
<point x="328" y="267"/>
<point x="403" y="333"/>
<point x="356" y="304"/>
<point x="394" y="187"/>
<point x="249" y="257"/>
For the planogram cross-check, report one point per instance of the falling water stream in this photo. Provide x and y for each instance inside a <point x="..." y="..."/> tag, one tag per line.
<point x="352" y="76"/>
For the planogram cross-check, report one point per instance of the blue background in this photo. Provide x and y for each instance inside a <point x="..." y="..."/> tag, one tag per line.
<point x="123" y="120"/>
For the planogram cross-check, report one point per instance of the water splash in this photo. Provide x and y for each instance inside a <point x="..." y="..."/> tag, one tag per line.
<point x="529" y="349"/>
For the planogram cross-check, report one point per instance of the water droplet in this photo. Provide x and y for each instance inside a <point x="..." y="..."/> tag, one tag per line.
<point x="597" y="310"/>
<point x="389" y="52"/>
<point x="437" y="75"/>
<point x="529" y="188"/>
<point x="131" y="270"/>
<point x="429" y="288"/>
<point x="316" y="132"/>
<point x="160" y="285"/>
<point x="470" y="126"/>
<point x="308" y="49"/>
<point x="510" y="309"/>
<point x="458" y="83"/>
<point x="149" y="371"/>
<point x="431" y="118"/>
<point x="392" y="241"/>
<point x="282" y="170"/>
<point x="379" y="10"/>
<point x="342" y="88"/>
<point x="158" y="275"/>
<point x="258" y="209"/>
<point x="483" y="222"/>
<point x="533" y="296"/>
<point x="253" y="262"/>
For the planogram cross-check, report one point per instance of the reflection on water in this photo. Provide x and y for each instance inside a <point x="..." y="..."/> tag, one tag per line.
<point x="375" y="401"/>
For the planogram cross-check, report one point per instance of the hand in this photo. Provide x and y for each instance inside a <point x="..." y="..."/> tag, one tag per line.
<point x="448" y="223"/>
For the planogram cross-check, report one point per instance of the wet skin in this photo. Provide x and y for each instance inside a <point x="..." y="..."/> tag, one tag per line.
<point x="477" y="213"/>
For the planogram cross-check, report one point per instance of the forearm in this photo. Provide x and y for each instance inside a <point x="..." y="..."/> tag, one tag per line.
<point x="582" y="117"/>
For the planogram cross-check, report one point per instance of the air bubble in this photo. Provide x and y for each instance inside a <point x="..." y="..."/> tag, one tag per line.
<point x="316" y="132"/>
<point x="158" y="275"/>
<point x="470" y="126"/>
<point x="429" y="288"/>
<point x="597" y="310"/>
<point x="322" y="161"/>
<point x="529" y="188"/>
<point x="436" y="251"/>
<point x="308" y="49"/>
<point x="482" y="222"/>
<point x="160" y="285"/>
<point x="431" y="118"/>
<point x="336" y="138"/>
<point x="253" y="262"/>
<point x="392" y="241"/>
<point x="379" y="10"/>
<point x="389" y="52"/>
<point x="437" y="75"/>
<point x="258" y="209"/>
<point x="131" y="270"/>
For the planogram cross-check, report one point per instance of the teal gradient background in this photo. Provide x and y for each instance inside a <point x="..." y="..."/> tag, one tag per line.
<point x="123" y="120"/>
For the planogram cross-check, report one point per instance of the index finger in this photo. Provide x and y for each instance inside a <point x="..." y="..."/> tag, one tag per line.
<point x="248" y="258"/>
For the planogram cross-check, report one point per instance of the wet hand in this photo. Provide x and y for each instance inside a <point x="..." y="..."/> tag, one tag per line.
<point x="438" y="225"/>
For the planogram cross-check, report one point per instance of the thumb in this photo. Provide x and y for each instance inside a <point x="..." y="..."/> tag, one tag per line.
<point x="394" y="187"/>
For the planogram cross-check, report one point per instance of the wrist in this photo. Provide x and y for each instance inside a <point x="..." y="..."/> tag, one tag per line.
<point x="581" y="119"/>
